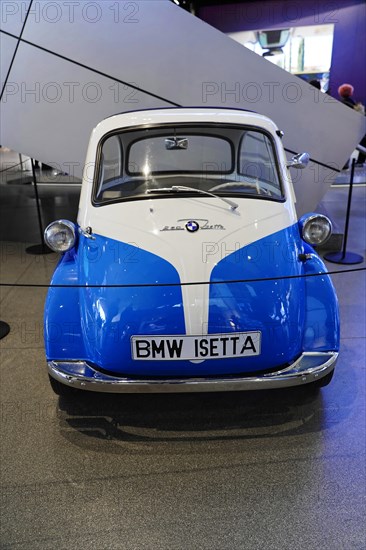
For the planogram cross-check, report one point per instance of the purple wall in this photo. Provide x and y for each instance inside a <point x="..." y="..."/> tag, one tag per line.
<point x="348" y="17"/>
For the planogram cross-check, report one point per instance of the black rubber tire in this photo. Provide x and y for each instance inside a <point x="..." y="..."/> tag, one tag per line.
<point x="322" y="382"/>
<point x="61" y="389"/>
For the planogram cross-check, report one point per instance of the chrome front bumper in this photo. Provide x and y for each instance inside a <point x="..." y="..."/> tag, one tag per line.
<point x="311" y="366"/>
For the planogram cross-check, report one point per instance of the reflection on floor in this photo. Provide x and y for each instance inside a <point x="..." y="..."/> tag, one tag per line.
<point x="274" y="470"/>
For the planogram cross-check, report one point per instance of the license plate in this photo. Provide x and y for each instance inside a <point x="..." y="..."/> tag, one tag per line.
<point x="190" y="348"/>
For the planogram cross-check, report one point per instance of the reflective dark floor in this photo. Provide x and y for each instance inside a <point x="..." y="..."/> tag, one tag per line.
<point x="250" y="470"/>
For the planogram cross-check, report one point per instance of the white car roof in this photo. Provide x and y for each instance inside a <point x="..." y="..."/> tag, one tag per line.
<point x="183" y="115"/>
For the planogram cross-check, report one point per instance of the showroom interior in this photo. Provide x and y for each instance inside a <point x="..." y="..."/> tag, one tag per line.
<point x="169" y="462"/>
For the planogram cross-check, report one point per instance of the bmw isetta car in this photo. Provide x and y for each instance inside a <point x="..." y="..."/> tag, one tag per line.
<point x="187" y="269"/>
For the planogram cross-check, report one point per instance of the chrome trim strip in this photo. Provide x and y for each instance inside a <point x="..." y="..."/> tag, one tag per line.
<point x="311" y="366"/>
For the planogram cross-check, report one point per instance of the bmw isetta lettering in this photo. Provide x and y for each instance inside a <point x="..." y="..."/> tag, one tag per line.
<point x="191" y="347"/>
<point x="188" y="269"/>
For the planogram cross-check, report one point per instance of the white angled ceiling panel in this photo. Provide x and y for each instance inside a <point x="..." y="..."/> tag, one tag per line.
<point x="13" y="14"/>
<point x="173" y="58"/>
<point x="52" y="107"/>
<point x="7" y="49"/>
<point x="168" y="52"/>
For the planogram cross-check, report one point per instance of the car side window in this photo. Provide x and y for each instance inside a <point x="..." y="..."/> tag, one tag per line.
<point x="257" y="161"/>
<point x="111" y="163"/>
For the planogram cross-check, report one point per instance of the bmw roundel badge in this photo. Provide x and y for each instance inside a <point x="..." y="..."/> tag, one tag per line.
<point x="192" y="226"/>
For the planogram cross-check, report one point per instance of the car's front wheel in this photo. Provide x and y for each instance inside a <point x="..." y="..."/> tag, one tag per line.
<point x="322" y="382"/>
<point x="61" y="389"/>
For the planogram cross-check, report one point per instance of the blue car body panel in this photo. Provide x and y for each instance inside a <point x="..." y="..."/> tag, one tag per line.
<point x="294" y="314"/>
<point x="275" y="307"/>
<point x="321" y="330"/>
<point x="62" y="322"/>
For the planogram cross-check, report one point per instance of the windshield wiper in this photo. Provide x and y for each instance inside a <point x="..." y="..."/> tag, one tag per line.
<point x="184" y="189"/>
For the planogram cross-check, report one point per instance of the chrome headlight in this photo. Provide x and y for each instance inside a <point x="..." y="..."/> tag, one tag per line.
<point x="315" y="228"/>
<point x="60" y="236"/>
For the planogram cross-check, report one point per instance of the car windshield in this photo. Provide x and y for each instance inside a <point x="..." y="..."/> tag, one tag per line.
<point x="217" y="159"/>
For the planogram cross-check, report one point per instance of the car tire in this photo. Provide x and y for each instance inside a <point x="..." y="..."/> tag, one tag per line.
<point x="322" y="382"/>
<point x="61" y="389"/>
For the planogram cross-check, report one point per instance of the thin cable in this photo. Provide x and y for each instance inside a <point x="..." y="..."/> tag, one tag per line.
<point x="101" y="73"/>
<point x="196" y="283"/>
<point x="19" y="38"/>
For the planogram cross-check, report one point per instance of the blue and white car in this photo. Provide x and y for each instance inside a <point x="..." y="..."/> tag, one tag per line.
<point x="187" y="269"/>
